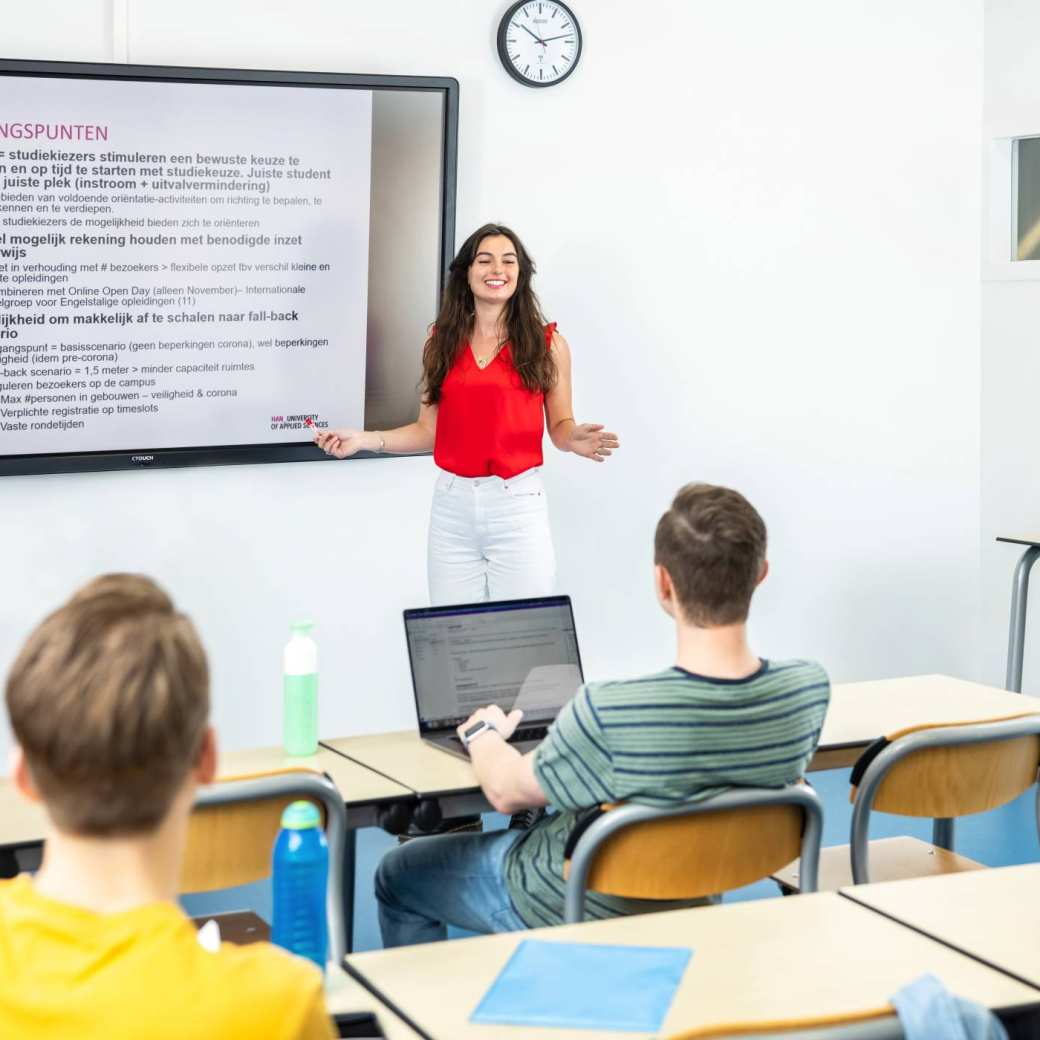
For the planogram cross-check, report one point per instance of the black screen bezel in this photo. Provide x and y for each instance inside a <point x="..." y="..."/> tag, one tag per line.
<point x="487" y="606"/>
<point x="238" y="454"/>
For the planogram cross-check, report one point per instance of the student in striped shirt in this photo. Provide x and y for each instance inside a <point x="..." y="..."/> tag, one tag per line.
<point x="720" y="717"/>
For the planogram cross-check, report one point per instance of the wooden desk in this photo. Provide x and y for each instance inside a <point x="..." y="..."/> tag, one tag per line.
<point x="362" y="789"/>
<point x="859" y="713"/>
<point x="766" y="960"/>
<point x="343" y="995"/>
<point x="1015" y="540"/>
<point x="1019" y="599"/>
<point x="401" y="754"/>
<point x="993" y="915"/>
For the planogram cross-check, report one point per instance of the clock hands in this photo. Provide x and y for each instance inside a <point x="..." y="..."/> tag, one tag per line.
<point x="550" y="39"/>
<point x="528" y="31"/>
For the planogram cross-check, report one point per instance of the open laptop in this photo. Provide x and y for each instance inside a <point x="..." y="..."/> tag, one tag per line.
<point x="517" y="653"/>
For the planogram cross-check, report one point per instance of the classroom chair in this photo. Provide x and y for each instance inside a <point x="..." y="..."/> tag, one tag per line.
<point x="687" y="852"/>
<point x="879" y="1026"/>
<point x="232" y="830"/>
<point x="940" y="772"/>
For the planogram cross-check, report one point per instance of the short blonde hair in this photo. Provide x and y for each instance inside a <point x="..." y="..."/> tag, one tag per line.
<point x="109" y="700"/>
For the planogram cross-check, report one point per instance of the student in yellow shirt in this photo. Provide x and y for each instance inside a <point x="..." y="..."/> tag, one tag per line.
<point x="109" y="703"/>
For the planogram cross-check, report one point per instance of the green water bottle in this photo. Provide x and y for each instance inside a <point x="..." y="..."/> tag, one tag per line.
<point x="300" y="692"/>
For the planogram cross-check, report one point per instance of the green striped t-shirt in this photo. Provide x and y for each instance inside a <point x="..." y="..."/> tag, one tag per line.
<point x="668" y="738"/>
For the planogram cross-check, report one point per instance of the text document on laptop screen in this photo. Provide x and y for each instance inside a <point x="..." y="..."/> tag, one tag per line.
<point x="516" y="656"/>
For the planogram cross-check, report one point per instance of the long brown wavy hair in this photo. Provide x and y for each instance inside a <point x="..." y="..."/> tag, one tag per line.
<point x="524" y="321"/>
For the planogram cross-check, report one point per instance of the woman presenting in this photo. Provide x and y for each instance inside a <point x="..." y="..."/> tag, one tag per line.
<point x="491" y="368"/>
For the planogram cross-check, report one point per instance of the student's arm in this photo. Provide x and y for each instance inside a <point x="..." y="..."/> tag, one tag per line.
<point x="586" y="439"/>
<point x="571" y="769"/>
<point x="506" y="777"/>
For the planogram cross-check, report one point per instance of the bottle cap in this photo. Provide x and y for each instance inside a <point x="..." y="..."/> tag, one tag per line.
<point x="301" y="816"/>
<point x="301" y="627"/>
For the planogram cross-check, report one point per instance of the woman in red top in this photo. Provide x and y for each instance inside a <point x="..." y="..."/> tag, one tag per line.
<point x="491" y="368"/>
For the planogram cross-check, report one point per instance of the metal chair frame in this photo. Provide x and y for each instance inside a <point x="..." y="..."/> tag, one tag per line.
<point x="903" y="747"/>
<point x="298" y="785"/>
<point x="602" y="829"/>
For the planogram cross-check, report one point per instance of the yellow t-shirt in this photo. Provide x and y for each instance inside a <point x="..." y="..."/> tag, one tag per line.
<point x="70" y="972"/>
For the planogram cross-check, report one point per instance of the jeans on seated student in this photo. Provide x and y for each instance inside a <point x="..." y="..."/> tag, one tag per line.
<point x="720" y="717"/>
<point x="109" y="701"/>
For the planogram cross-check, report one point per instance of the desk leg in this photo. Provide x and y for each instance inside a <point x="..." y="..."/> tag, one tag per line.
<point x="349" y="879"/>
<point x="1017" y="633"/>
<point x="942" y="833"/>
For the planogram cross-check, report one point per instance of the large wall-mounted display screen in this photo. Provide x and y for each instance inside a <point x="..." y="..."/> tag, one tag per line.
<point x="194" y="263"/>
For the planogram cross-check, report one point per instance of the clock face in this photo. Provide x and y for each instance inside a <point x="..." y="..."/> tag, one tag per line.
<point x="539" y="42"/>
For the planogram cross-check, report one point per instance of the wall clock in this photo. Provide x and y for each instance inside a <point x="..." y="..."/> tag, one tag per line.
<point x="539" y="42"/>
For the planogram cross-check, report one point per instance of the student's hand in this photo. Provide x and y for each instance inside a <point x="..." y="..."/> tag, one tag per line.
<point x="590" y="441"/>
<point x="495" y="716"/>
<point x="341" y="443"/>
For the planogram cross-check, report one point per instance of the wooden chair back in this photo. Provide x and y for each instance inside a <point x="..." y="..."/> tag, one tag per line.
<point x="880" y="1023"/>
<point x="687" y="857"/>
<point x="957" y="779"/>
<point x="231" y="845"/>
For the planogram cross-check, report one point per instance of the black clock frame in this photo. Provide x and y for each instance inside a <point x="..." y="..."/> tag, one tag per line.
<point x="503" y="52"/>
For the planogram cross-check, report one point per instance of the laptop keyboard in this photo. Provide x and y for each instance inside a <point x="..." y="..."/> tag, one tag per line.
<point x="529" y="733"/>
<point x="522" y="735"/>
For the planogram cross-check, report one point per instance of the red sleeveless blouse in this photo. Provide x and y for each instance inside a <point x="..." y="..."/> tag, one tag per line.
<point x="488" y="423"/>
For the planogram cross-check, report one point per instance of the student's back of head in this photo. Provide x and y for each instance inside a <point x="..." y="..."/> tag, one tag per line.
<point x="109" y="703"/>
<point x="711" y="543"/>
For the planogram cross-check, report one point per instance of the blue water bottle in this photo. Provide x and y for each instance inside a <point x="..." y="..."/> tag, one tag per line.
<point x="300" y="876"/>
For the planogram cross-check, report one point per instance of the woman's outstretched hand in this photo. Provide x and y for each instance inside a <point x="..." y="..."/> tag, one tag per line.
<point x="340" y="443"/>
<point x="591" y="441"/>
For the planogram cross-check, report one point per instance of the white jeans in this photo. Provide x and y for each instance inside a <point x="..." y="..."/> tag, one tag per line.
<point x="489" y="539"/>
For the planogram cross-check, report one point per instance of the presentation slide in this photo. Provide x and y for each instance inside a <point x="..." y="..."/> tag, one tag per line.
<point x="181" y="264"/>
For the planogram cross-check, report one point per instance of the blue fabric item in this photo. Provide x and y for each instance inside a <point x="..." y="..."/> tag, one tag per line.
<point x="929" y="1011"/>
<point x="581" y="986"/>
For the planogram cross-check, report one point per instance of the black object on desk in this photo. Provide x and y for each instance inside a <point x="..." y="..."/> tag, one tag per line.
<point x="357" y="1023"/>
<point x="240" y="927"/>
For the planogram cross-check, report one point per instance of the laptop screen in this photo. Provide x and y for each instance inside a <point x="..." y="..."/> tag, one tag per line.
<point x="517" y="654"/>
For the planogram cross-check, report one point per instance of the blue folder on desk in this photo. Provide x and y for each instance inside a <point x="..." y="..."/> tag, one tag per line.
<point x="582" y="986"/>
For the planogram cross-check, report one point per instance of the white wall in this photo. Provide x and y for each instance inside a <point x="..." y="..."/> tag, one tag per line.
<point x="1010" y="358"/>
<point x="758" y="225"/>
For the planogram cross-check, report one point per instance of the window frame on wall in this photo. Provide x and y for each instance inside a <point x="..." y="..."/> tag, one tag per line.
<point x="1001" y="209"/>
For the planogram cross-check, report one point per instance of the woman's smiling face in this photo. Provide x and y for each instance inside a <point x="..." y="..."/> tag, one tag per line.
<point x="493" y="273"/>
